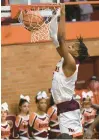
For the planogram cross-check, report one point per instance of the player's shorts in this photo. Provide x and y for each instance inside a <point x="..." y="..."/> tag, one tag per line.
<point x="69" y="118"/>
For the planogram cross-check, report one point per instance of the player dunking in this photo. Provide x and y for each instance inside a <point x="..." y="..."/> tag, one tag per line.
<point x="65" y="76"/>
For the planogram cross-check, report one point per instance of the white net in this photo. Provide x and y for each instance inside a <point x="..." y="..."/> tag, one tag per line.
<point x="42" y="33"/>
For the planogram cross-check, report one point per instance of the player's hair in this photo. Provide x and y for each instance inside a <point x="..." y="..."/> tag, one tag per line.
<point x="83" y="51"/>
<point x="21" y="102"/>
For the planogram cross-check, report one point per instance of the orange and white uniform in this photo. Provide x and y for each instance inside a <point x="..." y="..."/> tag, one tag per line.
<point x="88" y="116"/>
<point x="39" y="126"/>
<point x="5" y="130"/>
<point x="21" y="127"/>
<point x="94" y="95"/>
<point x="53" y="122"/>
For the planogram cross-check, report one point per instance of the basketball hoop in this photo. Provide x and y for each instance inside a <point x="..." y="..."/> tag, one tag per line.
<point x="40" y="28"/>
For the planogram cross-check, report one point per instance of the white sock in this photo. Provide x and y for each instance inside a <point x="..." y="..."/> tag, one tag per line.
<point x="53" y="30"/>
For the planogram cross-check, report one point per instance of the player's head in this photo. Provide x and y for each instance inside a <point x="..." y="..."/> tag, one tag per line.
<point x="41" y="101"/>
<point x="24" y="105"/>
<point x="4" y="111"/>
<point x="79" y="50"/>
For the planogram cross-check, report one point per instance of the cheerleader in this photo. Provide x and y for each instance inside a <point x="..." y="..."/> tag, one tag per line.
<point x="39" y="120"/>
<point x="5" y="127"/>
<point x="88" y="113"/>
<point x="52" y="112"/>
<point x="22" y="120"/>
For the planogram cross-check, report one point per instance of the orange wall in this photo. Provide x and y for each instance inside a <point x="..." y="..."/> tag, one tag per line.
<point x="15" y="34"/>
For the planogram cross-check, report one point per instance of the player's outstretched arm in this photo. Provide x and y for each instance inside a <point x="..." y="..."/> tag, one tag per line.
<point x="69" y="61"/>
<point x="57" y="33"/>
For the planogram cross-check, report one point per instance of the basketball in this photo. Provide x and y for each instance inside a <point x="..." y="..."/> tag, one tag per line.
<point x="32" y="20"/>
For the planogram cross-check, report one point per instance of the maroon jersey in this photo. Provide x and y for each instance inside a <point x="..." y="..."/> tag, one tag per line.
<point x="21" y="126"/>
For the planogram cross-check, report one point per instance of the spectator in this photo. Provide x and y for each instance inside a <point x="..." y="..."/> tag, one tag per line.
<point x="72" y="11"/>
<point x="94" y="87"/>
<point x="85" y="10"/>
<point x="94" y="83"/>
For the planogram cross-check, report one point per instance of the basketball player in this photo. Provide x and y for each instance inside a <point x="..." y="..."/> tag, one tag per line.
<point x="65" y="76"/>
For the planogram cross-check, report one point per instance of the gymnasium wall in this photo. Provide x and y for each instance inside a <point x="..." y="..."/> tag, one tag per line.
<point x="28" y="68"/>
<point x="86" y="70"/>
<point x="13" y="34"/>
